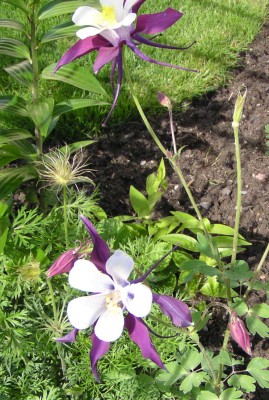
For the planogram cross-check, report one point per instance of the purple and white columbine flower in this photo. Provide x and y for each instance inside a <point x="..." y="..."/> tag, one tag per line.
<point x="107" y="31"/>
<point x="116" y="303"/>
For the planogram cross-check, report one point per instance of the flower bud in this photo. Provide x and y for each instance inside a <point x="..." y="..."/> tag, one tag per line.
<point x="64" y="263"/>
<point x="239" y="333"/>
<point x="164" y="100"/>
<point x="238" y="108"/>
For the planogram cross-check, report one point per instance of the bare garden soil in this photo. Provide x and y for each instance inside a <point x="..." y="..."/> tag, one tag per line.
<point x="126" y="155"/>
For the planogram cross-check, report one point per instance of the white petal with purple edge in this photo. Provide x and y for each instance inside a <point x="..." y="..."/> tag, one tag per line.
<point x="84" y="311"/>
<point x="129" y="19"/>
<point x="128" y="5"/>
<point x="119" y="266"/>
<point x="86" y="277"/>
<point x="86" y="16"/>
<point x="137" y="298"/>
<point x="110" y="325"/>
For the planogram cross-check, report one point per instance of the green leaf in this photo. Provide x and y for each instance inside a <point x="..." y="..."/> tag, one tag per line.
<point x="184" y="241"/>
<point x="18" y="4"/>
<point x="60" y="7"/>
<point x="12" y="24"/>
<point x="16" y="150"/>
<point x="194" y="379"/>
<point x="188" y="220"/>
<point x="12" y="178"/>
<point x="22" y="72"/>
<point x="41" y="115"/>
<point x="191" y="358"/>
<point x="14" y="104"/>
<point x="258" y="368"/>
<point x="206" y="395"/>
<point x="5" y="207"/>
<point x="139" y="203"/>
<point x="240" y="306"/>
<point x="205" y="248"/>
<point x="227" y="242"/>
<point x="245" y="382"/>
<point x="262" y="310"/>
<point x="76" y="76"/>
<point x="255" y="325"/>
<point x="214" y="288"/>
<point x="12" y="135"/>
<point x="14" y="48"/>
<point x="75" y="104"/>
<point x="197" y="266"/>
<point x="61" y="31"/>
<point x="165" y="379"/>
<point x="231" y="394"/>
<point x="4" y="228"/>
<point x="77" y="145"/>
<point x="240" y="272"/>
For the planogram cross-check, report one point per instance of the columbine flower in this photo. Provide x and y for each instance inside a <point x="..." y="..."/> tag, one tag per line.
<point x="239" y="333"/>
<point x="112" y="28"/>
<point x="116" y="303"/>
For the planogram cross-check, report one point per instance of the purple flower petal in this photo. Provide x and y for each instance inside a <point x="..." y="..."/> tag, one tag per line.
<point x="144" y="57"/>
<point x="139" y="334"/>
<point x="81" y="48"/>
<point x="175" y="309"/>
<point x="239" y="333"/>
<point x="101" y="252"/>
<point x="64" y="263"/>
<point x="105" y="55"/>
<point x="99" y="348"/>
<point x="137" y="5"/>
<point x="151" y="24"/>
<point x="143" y="40"/>
<point x="70" y="337"/>
<point x="118" y="87"/>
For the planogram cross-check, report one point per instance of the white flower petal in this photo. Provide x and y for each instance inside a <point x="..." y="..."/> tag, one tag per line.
<point x="119" y="266"/>
<point x="137" y="299"/>
<point x="110" y="325"/>
<point x="117" y="5"/>
<point x="128" y="5"/>
<point x="87" y="32"/>
<point x="85" y="276"/>
<point x="86" y="15"/>
<point x="84" y="311"/>
<point x="129" y="19"/>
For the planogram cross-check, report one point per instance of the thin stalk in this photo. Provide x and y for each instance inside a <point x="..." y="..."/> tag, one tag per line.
<point x="239" y="192"/>
<point x="256" y="273"/>
<point x="57" y="325"/>
<point x="65" y="217"/>
<point x="224" y="347"/>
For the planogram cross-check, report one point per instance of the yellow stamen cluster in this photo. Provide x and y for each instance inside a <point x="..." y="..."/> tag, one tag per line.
<point x="108" y="14"/>
<point x="113" y="301"/>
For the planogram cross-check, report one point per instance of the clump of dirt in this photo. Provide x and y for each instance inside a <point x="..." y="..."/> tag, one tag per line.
<point x="126" y="156"/>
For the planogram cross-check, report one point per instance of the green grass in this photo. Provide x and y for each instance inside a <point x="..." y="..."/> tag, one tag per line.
<point x="221" y="28"/>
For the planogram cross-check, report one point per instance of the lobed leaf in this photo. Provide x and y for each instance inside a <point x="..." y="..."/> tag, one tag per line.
<point x="245" y="382"/>
<point x="258" y="368"/>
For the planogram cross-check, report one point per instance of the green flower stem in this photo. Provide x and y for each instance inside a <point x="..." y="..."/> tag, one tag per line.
<point x="65" y="217"/>
<point x="239" y="192"/>
<point x="57" y="325"/>
<point x="224" y="347"/>
<point x="256" y="273"/>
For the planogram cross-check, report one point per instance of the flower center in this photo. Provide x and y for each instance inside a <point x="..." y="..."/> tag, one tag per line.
<point x="108" y="14"/>
<point x="113" y="301"/>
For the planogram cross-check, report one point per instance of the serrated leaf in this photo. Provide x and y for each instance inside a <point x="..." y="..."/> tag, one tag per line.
<point x="231" y="394"/>
<point x="262" y="310"/>
<point x="12" y="178"/>
<point x="22" y="72"/>
<point x="194" y="379"/>
<point x="245" y="382"/>
<point x="139" y="203"/>
<point x="12" y="24"/>
<point x="14" y="48"/>
<point x="214" y="288"/>
<point x="76" y="76"/>
<point x="255" y="325"/>
<point x="12" y="135"/>
<point x="41" y="114"/>
<point x="18" y="4"/>
<point x="75" y="104"/>
<point x="258" y="368"/>
<point x="14" y="104"/>
<point x="61" y="31"/>
<point x="184" y="241"/>
<point x="60" y="7"/>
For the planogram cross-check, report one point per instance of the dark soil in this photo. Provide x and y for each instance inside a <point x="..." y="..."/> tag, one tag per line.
<point x="126" y="156"/>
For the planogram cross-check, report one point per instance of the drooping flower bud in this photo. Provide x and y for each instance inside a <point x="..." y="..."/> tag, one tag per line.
<point x="238" y="108"/>
<point x="164" y="100"/>
<point x="64" y="263"/>
<point x="239" y="333"/>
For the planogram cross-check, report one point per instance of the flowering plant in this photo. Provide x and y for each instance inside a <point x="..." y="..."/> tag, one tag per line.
<point x="112" y="28"/>
<point x="106" y="276"/>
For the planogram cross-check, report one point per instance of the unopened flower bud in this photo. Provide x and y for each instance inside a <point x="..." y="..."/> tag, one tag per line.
<point x="64" y="263"/>
<point x="239" y="333"/>
<point x="164" y="100"/>
<point x="238" y="108"/>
